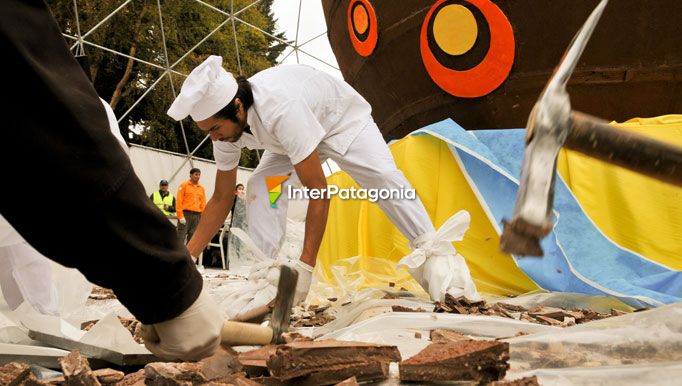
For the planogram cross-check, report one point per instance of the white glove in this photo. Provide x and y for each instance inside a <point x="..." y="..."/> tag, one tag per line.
<point x="305" y="275"/>
<point x="437" y="266"/>
<point x="267" y="270"/>
<point x="254" y="293"/>
<point x="182" y="221"/>
<point x="260" y="289"/>
<point x="262" y="286"/>
<point x="270" y="270"/>
<point x="193" y="335"/>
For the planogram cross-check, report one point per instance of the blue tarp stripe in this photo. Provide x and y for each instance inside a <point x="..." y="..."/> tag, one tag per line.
<point x="582" y="259"/>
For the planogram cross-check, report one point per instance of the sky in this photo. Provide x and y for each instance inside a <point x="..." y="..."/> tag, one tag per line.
<point x="312" y="24"/>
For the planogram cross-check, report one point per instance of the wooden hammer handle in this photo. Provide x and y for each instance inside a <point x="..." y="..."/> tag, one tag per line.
<point x="596" y="138"/>
<point x="232" y="334"/>
<point x="245" y="334"/>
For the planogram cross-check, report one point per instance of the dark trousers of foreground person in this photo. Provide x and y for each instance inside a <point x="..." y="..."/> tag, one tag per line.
<point x="55" y="127"/>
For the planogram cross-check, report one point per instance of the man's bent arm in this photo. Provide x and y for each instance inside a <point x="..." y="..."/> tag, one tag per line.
<point x="310" y="173"/>
<point x="217" y="209"/>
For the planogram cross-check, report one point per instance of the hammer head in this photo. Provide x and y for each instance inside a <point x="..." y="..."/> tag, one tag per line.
<point x="281" y="311"/>
<point x="548" y="126"/>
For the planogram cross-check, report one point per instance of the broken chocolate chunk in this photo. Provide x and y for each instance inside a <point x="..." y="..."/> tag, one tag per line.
<point x="469" y="360"/>
<point x="302" y="358"/>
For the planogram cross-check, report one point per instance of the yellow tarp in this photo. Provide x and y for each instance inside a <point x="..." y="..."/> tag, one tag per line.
<point x="359" y="228"/>
<point x="637" y="212"/>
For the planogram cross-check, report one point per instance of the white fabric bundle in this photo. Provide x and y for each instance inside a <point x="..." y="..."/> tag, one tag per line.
<point x="437" y="266"/>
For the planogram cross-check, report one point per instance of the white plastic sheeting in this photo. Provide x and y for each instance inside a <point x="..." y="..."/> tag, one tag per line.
<point x="410" y="330"/>
<point x="660" y="374"/>
<point x="634" y="339"/>
<point x="73" y="291"/>
<point x="153" y="165"/>
<point x="639" y="348"/>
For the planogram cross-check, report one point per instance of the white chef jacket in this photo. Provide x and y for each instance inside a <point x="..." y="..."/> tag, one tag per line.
<point x="113" y="126"/>
<point x="297" y="107"/>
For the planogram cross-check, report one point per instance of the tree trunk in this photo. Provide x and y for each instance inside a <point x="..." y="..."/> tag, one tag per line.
<point x="94" y="67"/>
<point x="116" y="96"/>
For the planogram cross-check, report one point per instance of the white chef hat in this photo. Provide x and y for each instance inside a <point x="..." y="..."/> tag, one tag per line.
<point x="207" y="89"/>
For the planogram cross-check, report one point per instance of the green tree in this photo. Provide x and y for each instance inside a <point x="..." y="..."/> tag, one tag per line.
<point x="135" y="31"/>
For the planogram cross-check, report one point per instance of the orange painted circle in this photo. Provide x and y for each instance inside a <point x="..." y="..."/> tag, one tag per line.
<point x="486" y="76"/>
<point x="362" y="20"/>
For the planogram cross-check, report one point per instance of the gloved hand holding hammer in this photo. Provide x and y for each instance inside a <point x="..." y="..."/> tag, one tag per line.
<point x="198" y="331"/>
<point x="192" y="335"/>
<point x="269" y="271"/>
<point x="263" y="279"/>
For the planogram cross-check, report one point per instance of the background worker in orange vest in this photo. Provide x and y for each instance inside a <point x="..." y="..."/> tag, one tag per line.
<point x="190" y="202"/>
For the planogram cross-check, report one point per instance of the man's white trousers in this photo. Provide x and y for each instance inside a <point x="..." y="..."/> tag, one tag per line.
<point x="368" y="161"/>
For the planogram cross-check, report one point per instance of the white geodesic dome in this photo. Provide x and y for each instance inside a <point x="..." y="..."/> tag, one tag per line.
<point x="303" y="25"/>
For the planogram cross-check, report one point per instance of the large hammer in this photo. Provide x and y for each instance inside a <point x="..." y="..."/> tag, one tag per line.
<point x="236" y="333"/>
<point x="551" y="125"/>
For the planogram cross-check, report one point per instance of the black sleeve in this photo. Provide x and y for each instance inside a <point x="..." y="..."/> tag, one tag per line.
<point x="172" y="208"/>
<point x="113" y="233"/>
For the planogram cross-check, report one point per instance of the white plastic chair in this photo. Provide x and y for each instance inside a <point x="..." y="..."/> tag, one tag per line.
<point x="224" y="230"/>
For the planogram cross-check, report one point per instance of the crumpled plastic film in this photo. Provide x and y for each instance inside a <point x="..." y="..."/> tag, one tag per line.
<point x="246" y="240"/>
<point x="660" y="374"/>
<point x="635" y="349"/>
<point x="63" y="291"/>
<point x="638" y="338"/>
<point x="566" y="300"/>
<point x="368" y="303"/>
<point x="74" y="290"/>
<point x="11" y="330"/>
<point x="238" y="296"/>
<point x="349" y="276"/>
<point x="399" y="328"/>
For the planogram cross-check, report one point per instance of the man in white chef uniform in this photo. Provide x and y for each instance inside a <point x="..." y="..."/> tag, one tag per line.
<point x="301" y="117"/>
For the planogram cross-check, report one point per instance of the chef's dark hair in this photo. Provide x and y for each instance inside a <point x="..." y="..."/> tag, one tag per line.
<point x="244" y="94"/>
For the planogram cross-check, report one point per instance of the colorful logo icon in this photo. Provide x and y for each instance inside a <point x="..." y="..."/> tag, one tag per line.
<point x="274" y="184"/>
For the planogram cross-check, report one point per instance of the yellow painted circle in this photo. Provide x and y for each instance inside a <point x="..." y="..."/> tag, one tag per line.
<point x="360" y="19"/>
<point x="454" y="29"/>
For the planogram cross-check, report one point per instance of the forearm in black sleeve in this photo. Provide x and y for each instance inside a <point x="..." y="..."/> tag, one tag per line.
<point x="56" y="125"/>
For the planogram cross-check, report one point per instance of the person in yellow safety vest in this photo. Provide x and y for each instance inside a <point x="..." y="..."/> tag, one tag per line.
<point x="164" y="199"/>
